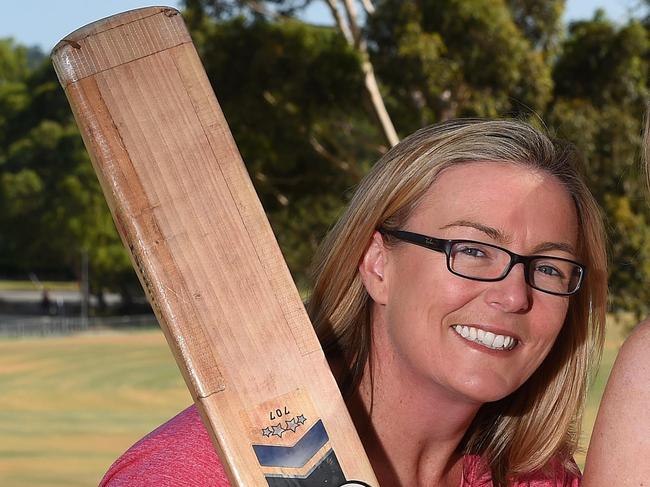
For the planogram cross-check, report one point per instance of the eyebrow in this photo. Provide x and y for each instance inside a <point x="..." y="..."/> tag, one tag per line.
<point x="546" y="246"/>
<point x="493" y="233"/>
<point x="499" y="236"/>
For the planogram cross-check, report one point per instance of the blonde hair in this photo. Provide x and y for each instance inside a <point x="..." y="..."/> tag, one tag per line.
<point x="539" y="422"/>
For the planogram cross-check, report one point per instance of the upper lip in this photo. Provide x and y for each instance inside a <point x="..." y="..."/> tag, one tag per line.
<point x="497" y="330"/>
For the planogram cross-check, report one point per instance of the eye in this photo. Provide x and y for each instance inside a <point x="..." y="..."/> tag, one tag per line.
<point x="549" y="270"/>
<point x="470" y="251"/>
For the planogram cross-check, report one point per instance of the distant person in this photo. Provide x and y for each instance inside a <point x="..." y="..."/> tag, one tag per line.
<point x="459" y="299"/>
<point x="46" y="302"/>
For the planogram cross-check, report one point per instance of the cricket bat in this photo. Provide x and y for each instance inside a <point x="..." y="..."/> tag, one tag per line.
<point x="205" y="254"/>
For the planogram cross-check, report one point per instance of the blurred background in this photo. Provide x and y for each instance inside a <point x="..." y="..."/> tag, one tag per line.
<point x="84" y="370"/>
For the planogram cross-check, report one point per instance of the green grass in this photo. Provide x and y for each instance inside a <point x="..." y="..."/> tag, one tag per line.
<point x="32" y="286"/>
<point x="70" y="406"/>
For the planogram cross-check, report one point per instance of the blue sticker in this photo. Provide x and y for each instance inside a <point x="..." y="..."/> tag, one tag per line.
<point x="326" y="472"/>
<point x="293" y="456"/>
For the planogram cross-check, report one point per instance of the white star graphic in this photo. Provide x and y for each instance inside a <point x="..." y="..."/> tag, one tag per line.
<point x="278" y="430"/>
<point x="292" y="424"/>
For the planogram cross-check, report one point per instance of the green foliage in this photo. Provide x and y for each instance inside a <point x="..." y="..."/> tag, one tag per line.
<point x="294" y="98"/>
<point x="600" y="93"/>
<point x="603" y="63"/>
<point x="540" y="22"/>
<point x="630" y="238"/>
<point x="453" y="58"/>
<point x="13" y="61"/>
<point x="52" y="206"/>
<point x="610" y="140"/>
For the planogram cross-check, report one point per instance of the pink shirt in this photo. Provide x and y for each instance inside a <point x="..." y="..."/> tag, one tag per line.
<point x="180" y="454"/>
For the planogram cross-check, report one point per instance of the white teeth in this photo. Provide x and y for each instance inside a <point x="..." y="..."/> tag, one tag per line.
<point x="486" y="338"/>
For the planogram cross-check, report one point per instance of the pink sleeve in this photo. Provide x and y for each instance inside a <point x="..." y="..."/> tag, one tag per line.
<point x="561" y="477"/>
<point x="475" y="475"/>
<point x="179" y="453"/>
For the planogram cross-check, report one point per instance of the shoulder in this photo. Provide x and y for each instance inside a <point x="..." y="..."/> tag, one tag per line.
<point x="629" y="381"/>
<point x="178" y="453"/>
<point x="556" y="475"/>
<point x="636" y="344"/>
<point x="619" y="437"/>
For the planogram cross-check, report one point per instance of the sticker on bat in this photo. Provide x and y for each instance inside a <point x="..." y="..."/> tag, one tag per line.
<point x="278" y="413"/>
<point x="313" y="448"/>
<point x="292" y="446"/>
<point x="289" y="425"/>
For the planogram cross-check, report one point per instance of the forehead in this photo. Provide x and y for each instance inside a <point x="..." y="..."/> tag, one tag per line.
<point x="517" y="200"/>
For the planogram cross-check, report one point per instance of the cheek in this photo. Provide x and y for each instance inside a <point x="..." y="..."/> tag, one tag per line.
<point x="548" y="322"/>
<point x="426" y="290"/>
<point x="419" y="311"/>
<point x="557" y="313"/>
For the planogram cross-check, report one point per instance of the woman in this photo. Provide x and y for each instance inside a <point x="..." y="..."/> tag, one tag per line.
<point x="460" y="367"/>
<point x="620" y="443"/>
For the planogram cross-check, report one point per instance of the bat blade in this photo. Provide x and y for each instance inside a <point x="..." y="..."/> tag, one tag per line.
<point x="207" y="258"/>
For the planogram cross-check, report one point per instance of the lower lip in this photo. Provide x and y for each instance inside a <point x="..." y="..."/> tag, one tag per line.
<point x="483" y="348"/>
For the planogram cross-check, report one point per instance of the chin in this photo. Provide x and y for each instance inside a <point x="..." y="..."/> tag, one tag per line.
<point x="482" y="392"/>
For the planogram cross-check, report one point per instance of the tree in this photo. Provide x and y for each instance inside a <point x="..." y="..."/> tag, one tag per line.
<point x="52" y="208"/>
<point x="351" y="30"/>
<point x="601" y="88"/>
<point x="451" y="58"/>
<point x="346" y="20"/>
<point x="540" y="22"/>
<point x="295" y="98"/>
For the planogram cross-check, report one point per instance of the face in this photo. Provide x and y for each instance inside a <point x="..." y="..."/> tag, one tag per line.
<point x="434" y="327"/>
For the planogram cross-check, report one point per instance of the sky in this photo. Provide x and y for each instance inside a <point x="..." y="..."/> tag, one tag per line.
<point x="45" y="22"/>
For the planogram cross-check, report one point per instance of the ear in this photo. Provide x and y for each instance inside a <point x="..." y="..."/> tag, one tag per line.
<point x="372" y="269"/>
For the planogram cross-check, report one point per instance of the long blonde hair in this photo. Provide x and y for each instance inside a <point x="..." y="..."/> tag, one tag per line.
<point x="540" y="421"/>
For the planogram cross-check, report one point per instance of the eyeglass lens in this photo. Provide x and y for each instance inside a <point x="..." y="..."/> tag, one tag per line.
<point x="482" y="261"/>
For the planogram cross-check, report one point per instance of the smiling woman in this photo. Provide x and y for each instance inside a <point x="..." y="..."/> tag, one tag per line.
<point x="460" y="300"/>
<point x="422" y="326"/>
<point x="459" y="374"/>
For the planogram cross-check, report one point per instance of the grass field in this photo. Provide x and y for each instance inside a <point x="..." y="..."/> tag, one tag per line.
<point x="32" y="286"/>
<point x="69" y="406"/>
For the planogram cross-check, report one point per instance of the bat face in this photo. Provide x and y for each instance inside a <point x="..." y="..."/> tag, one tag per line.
<point x="293" y="447"/>
<point x="199" y="240"/>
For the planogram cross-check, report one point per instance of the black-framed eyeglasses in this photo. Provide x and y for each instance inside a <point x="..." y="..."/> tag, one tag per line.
<point x="480" y="261"/>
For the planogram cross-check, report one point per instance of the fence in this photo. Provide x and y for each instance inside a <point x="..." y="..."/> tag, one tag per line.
<point x="20" y="326"/>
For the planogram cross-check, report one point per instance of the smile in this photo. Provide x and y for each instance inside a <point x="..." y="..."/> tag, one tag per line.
<point x="486" y="338"/>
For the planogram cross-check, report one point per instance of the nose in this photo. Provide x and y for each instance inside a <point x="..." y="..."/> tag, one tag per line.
<point x="511" y="294"/>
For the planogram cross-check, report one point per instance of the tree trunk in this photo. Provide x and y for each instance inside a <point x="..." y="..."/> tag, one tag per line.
<point x="353" y="36"/>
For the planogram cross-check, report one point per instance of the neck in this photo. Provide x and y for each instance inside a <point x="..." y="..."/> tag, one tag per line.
<point x="411" y="427"/>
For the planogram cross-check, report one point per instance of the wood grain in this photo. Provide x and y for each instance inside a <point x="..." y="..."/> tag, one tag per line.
<point x="198" y="237"/>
